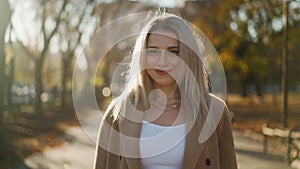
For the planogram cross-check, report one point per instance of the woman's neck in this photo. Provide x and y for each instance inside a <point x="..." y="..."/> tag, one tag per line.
<point x="170" y="91"/>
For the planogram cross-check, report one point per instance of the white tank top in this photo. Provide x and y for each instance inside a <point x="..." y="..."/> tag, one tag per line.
<point x="162" y="147"/>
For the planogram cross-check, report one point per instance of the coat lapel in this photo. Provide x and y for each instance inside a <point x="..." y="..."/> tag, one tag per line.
<point x="193" y="148"/>
<point x="130" y="129"/>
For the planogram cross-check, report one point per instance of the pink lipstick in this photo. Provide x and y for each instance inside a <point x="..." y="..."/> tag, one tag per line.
<point x="161" y="72"/>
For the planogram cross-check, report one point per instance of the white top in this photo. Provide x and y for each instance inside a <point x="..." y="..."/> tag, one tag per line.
<point x="162" y="147"/>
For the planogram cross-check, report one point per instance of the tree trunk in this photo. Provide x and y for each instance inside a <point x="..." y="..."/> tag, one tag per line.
<point x="64" y="77"/>
<point x="4" y="20"/>
<point x="2" y="80"/>
<point x="10" y="79"/>
<point x="38" y="85"/>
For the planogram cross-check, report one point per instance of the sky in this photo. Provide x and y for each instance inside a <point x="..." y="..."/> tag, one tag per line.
<point x="23" y="19"/>
<point x="26" y="26"/>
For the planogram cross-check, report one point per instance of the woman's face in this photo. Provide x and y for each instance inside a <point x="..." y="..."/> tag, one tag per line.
<point x="162" y="57"/>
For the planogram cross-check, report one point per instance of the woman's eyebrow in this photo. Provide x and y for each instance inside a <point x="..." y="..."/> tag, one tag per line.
<point x="152" y="47"/>
<point x="170" y="47"/>
<point x="173" y="47"/>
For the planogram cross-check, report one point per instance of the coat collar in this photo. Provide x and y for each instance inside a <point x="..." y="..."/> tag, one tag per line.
<point x="193" y="148"/>
<point x="132" y="127"/>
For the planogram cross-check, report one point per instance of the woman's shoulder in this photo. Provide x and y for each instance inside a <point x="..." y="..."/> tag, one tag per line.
<point x="219" y="105"/>
<point x="216" y="98"/>
<point x="218" y="102"/>
<point x="226" y="116"/>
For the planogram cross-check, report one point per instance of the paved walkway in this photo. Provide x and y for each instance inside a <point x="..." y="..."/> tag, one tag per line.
<point x="250" y="154"/>
<point x="79" y="153"/>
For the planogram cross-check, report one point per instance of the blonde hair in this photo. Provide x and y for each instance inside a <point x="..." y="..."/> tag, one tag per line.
<point x="139" y="84"/>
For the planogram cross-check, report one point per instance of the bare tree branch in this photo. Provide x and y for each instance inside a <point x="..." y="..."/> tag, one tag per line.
<point x="48" y="40"/>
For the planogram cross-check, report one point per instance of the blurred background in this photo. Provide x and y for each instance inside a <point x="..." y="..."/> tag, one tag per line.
<point x="257" y="41"/>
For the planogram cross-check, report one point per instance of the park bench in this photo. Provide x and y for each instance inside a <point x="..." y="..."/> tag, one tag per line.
<point x="291" y="137"/>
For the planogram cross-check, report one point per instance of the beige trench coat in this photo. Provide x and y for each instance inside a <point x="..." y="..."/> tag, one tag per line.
<point x="217" y="152"/>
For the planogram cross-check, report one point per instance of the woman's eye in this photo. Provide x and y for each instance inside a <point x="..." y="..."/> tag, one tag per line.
<point x="152" y="51"/>
<point x="175" y="52"/>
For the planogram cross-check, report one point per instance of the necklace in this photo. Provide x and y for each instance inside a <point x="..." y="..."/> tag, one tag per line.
<point x="172" y="104"/>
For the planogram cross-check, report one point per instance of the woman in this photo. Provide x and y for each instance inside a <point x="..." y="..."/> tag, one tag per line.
<point x="166" y="118"/>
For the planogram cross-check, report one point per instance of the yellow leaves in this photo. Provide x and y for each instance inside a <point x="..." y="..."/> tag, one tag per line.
<point x="230" y="62"/>
<point x="227" y="59"/>
<point x="244" y="67"/>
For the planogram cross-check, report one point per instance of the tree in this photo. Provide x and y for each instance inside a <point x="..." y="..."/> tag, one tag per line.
<point x="4" y="20"/>
<point x="245" y="34"/>
<point x="80" y="20"/>
<point x="107" y="12"/>
<point x="11" y="68"/>
<point x="6" y="152"/>
<point x="48" y="12"/>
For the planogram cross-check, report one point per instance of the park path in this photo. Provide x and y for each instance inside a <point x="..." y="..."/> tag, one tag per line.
<point x="78" y="153"/>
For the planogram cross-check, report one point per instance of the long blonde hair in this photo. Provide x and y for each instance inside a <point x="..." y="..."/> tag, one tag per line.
<point x="139" y="84"/>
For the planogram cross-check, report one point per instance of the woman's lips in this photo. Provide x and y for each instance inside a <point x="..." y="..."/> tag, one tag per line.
<point x="161" y="72"/>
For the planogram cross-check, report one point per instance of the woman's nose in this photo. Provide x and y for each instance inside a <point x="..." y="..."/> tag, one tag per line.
<point x="162" y="59"/>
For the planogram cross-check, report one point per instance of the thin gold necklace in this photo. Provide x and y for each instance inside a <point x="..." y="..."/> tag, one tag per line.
<point x="172" y="105"/>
